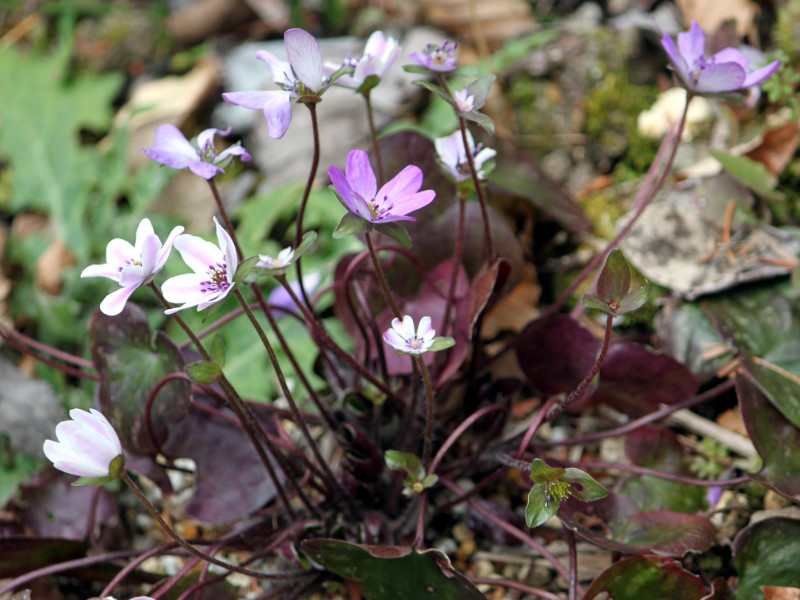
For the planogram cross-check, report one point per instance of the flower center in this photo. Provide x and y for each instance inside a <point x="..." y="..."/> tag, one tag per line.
<point x="378" y="209"/>
<point x="217" y="281"/>
<point x="415" y="343"/>
<point x="557" y="490"/>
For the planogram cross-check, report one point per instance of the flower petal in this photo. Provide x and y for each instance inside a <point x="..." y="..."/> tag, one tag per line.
<point x="228" y="249"/>
<point x="170" y="140"/>
<point x="408" y="204"/>
<point x="342" y="186"/>
<point x="144" y="229"/>
<point x="167" y="247"/>
<point x="406" y="182"/>
<point x="305" y="57"/>
<point x="101" y="271"/>
<point x="113" y="304"/>
<point x="360" y="175"/>
<point x="281" y="70"/>
<point x="725" y="77"/>
<point x="692" y="44"/>
<point x="759" y="76"/>
<point x="198" y="254"/>
<point x="678" y="61"/>
<point x="183" y="289"/>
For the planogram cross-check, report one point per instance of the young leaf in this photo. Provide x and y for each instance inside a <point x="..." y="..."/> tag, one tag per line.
<point x="244" y="268"/>
<point x="615" y="279"/>
<point x="442" y="343"/>
<point x="540" y="507"/>
<point x="204" y="371"/>
<point x="584" y="487"/>
<point x="351" y="225"/>
<point x="406" y="461"/>
<point x="395" y="231"/>
<point x="543" y="473"/>
<point x="480" y="89"/>
<point x="309" y="237"/>
<point x="481" y="119"/>
<point x="217" y="350"/>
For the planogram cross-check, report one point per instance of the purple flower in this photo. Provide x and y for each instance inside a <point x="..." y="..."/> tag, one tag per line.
<point x="131" y="266"/>
<point x="393" y="202"/>
<point x="171" y="148"/>
<point x="213" y="266"/>
<point x="438" y="58"/>
<point x="281" y="302"/>
<point x="380" y="53"/>
<point x="726" y="71"/>
<point x="404" y="338"/>
<point x="453" y="156"/>
<point x="87" y="446"/>
<point x="301" y="76"/>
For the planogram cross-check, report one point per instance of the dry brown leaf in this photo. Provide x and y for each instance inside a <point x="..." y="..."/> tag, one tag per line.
<point x="732" y="420"/>
<point x="516" y="310"/>
<point x="710" y="14"/>
<point x="50" y="266"/>
<point x="777" y="148"/>
<point x="776" y="592"/>
<point x="490" y="22"/>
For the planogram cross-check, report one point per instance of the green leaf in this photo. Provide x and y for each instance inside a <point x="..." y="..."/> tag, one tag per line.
<point x="481" y="119"/>
<point x="767" y="553"/>
<point x="615" y="279"/>
<point x="752" y="174"/>
<point x="436" y="90"/>
<point x="369" y="83"/>
<point x="244" y="269"/>
<point x="593" y="302"/>
<point x="634" y="300"/>
<point x="480" y="89"/>
<point x="591" y="490"/>
<point x="416" y="69"/>
<point x="442" y="343"/>
<point x="542" y="473"/>
<point x="343" y="70"/>
<point x="204" y="371"/>
<point x="651" y="577"/>
<point x="430" y="481"/>
<point x="406" y="461"/>
<point x="308" y="239"/>
<point x="393" y="572"/>
<point x="217" y="350"/>
<point x="540" y="507"/>
<point x="351" y="224"/>
<point x="395" y="231"/>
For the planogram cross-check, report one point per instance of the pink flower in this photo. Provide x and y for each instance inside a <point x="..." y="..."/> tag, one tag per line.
<point x="301" y="76"/>
<point x="726" y="71"/>
<point x="453" y="157"/>
<point x="131" y="266"/>
<point x="86" y="446"/>
<point x="213" y="266"/>
<point x="171" y="148"/>
<point x="438" y="58"/>
<point x="404" y="338"/>
<point x="380" y="53"/>
<point x="359" y="193"/>
<point x="464" y="101"/>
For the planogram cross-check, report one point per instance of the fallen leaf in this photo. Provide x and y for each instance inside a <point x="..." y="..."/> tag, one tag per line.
<point x="710" y="14"/>
<point x="777" y="592"/>
<point x="50" y="266"/>
<point x="777" y="148"/>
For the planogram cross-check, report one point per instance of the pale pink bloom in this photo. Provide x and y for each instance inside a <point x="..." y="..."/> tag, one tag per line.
<point x="284" y="259"/>
<point x="464" y="101"/>
<point x="404" y="338"/>
<point x="358" y="189"/>
<point x="380" y="53"/>
<point x="453" y="157"/>
<point x="438" y="58"/>
<point x="213" y="266"/>
<point x="86" y="445"/>
<point x="131" y="266"/>
<point x="301" y="76"/>
<point x="171" y="148"/>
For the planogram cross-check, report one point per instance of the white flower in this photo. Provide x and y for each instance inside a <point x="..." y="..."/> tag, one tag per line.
<point x="464" y="101"/>
<point x="131" y="266"/>
<point x="86" y="445"/>
<point x="380" y="53"/>
<point x="213" y="266"/>
<point x="402" y="336"/>
<point x="284" y="259"/>
<point x="453" y="157"/>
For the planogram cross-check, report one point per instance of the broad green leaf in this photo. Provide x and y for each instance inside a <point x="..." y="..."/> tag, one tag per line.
<point x="540" y="506"/>
<point x="442" y="343"/>
<point x="244" y="269"/>
<point x="650" y="577"/>
<point x="634" y="300"/>
<point x="406" y="461"/>
<point x="584" y="487"/>
<point x="752" y="174"/>
<point x="480" y="89"/>
<point x="308" y="239"/>
<point x="393" y="572"/>
<point x="204" y="372"/>
<point x="767" y="553"/>
<point x="395" y="231"/>
<point x="351" y="225"/>
<point x="593" y="302"/>
<point x="481" y="119"/>
<point x="541" y="472"/>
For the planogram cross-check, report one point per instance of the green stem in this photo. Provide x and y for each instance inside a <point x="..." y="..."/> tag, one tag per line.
<point x="387" y="293"/>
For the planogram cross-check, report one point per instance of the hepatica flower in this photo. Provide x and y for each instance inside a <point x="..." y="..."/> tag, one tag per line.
<point x="301" y="76"/>
<point x="380" y="53"/>
<point x="453" y="156"/>
<point x="726" y="71"/>
<point x="464" y="101"/>
<point x="403" y="337"/>
<point x="213" y="266"/>
<point x="359" y="191"/>
<point x="131" y="266"/>
<point x="438" y="58"/>
<point x="87" y="446"/>
<point x="171" y="148"/>
<point x="284" y="259"/>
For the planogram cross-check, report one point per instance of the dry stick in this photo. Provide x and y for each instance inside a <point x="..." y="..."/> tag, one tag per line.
<point x="251" y="426"/>
<point x="188" y="547"/>
<point x="643" y="199"/>
<point x="298" y="235"/>
<point x="387" y="293"/>
<point x="374" y="134"/>
<point x="333" y="485"/>
<point x="577" y="393"/>
<point x="327" y="339"/>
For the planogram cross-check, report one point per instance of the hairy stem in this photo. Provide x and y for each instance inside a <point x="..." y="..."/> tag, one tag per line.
<point x="387" y="293"/>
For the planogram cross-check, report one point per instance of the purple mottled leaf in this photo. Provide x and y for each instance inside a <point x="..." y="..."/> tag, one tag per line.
<point x="767" y="553"/>
<point x="132" y="362"/>
<point x="659" y="532"/>
<point x="556" y="353"/>
<point x="393" y="572"/>
<point x="659" y="448"/>
<point x="636" y="380"/>
<point x="773" y="435"/>
<point x="651" y="577"/>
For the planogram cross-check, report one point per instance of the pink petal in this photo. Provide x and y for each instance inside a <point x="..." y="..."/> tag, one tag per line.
<point x="305" y="57"/>
<point x="281" y="70"/>
<point x="228" y="248"/>
<point x="278" y="112"/>
<point x="680" y="64"/>
<point x="342" y="186"/>
<point x="113" y="304"/>
<point x="183" y="289"/>
<point x="151" y="248"/>
<point x="360" y="175"/>
<point x="408" y="204"/>
<point x="252" y="100"/>
<point x="169" y="139"/>
<point x="406" y="182"/>
<point x="167" y="247"/>
<point x="120" y="252"/>
<point x="405" y="327"/>
<point x="724" y="77"/>
<point x="132" y="275"/>
<point x="144" y="229"/>
<point x="391" y="337"/>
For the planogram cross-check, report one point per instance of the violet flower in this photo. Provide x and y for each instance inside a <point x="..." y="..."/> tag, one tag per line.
<point x="726" y="71"/>
<point x="437" y="58"/>
<point x="403" y="337"/>
<point x="359" y="193"/>
<point x="131" y="266"/>
<point x="453" y="157"/>
<point x="213" y="266"/>
<point x="380" y="53"/>
<point x="87" y="446"/>
<point x="281" y="302"/>
<point x="171" y="148"/>
<point x="301" y="76"/>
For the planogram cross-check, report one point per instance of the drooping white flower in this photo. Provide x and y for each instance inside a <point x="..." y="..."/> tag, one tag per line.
<point x="132" y="266"/>
<point x="403" y="337"/>
<point x="213" y="266"/>
<point x="86" y="446"/>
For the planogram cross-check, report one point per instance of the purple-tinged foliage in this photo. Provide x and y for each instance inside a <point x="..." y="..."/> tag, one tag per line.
<point x="647" y="577"/>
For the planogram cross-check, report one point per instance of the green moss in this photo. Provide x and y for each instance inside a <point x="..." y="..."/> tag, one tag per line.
<point x="787" y="29"/>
